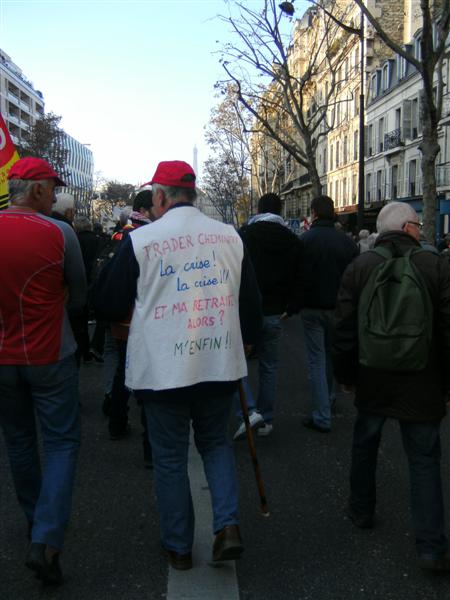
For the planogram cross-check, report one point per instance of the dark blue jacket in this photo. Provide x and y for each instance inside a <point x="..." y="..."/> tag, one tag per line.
<point x="325" y="253"/>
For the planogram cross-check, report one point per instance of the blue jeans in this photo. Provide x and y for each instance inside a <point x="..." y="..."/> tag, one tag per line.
<point x="317" y="326"/>
<point x="51" y="392"/>
<point x="268" y="353"/>
<point x="169" y="429"/>
<point x="421" y="442"/>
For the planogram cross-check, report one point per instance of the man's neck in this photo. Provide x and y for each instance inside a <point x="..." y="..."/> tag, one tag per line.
<point x="21" y="207"/>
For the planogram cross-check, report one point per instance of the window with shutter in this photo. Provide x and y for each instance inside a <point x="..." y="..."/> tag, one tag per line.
<point x="414" y="118"/>
<point x="406" y="120"/>
<point x="381" y="135"/>
<point x="412" y="177"/>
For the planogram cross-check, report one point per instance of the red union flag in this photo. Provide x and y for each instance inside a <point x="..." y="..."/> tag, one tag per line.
<point x="8" y="156"/>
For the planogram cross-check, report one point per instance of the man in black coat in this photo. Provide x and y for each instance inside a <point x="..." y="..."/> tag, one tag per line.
<point x="274" y="251"/>
<point x="324" y="254"/>
<point x="416" y="399"/>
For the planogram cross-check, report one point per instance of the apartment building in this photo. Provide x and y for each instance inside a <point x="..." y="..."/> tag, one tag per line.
<point x="20" y="103"/>
<point x="393" y="136"/>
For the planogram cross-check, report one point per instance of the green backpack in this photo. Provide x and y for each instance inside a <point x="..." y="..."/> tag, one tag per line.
<point x="395" y="316"/>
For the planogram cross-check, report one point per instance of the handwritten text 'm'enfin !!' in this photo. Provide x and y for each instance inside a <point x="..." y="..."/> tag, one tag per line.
<point x="205" y="344"/>
<point x="161" y="248"/>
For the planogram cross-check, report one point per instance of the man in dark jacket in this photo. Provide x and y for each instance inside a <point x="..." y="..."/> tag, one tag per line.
<point x="274" y="251"/>
<point x="415" y="398"/>
<point x="325" y="253"/>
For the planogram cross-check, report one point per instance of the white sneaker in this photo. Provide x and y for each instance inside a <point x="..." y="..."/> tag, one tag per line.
<point x="266" y="429"/>
<point x="256" y="421"/>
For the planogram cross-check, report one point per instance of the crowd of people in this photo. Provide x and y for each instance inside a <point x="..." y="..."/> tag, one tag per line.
<point x="181" y="301"/>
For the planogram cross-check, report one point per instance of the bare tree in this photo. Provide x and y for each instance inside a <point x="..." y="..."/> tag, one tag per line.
<point x="280" y="91"/>
<point x="45" y="140"/>
<point x="267" y="163"/>
<point x="115" y="191"/>
<point x="222" y="188"/>
<point x="228" y="136"/>
<point x="435" y="21"/>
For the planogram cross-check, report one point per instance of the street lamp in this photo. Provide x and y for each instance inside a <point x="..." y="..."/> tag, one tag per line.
<point x="287" y="8"/>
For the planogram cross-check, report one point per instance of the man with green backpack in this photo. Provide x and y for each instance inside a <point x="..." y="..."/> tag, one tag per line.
<point x="392" y="348"/>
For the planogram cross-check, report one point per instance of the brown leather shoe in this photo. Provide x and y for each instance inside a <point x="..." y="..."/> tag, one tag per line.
<point x="181" y="562"/>
<point x="228" y="544"/>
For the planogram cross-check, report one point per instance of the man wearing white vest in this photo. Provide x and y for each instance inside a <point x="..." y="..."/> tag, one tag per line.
<point x="191" y="287"/>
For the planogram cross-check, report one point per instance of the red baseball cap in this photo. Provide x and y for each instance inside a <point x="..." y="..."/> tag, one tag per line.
<point x="174" y="173"/>
<point x="35" y="169"/>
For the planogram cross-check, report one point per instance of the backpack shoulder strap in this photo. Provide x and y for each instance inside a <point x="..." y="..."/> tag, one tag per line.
<point x="384" y="252"/>
<point x="415" y="250"/>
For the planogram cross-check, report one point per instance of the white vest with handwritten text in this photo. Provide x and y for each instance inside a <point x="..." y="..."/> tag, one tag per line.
<point x="185" y="327"/>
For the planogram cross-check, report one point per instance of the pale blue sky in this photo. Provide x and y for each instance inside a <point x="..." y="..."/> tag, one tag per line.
<point x="132" y="78"/>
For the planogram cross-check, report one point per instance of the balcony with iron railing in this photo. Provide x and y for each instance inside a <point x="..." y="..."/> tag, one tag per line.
<point x="304" y="179"/>
<point x="393" y="139"/>
<point x="376" y="193"/>
<point x="404" y="188"/>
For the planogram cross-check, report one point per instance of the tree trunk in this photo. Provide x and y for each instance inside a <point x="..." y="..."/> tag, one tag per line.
<point x="316" y="186"/>
<point x="430" y="149"/>
<point x="312" y="169"/>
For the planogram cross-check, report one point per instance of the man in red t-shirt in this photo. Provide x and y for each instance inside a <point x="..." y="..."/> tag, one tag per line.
<point x="42" y="280"/>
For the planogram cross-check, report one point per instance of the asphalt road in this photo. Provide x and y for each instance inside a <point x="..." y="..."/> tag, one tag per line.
<point x="306" y="549"/>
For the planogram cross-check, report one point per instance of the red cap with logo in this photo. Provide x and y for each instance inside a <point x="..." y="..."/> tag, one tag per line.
<point x="35" y="169"/>
<point x="174" y="173"/>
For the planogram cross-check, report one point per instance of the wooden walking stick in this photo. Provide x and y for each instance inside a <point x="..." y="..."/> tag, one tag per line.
<point x="251" y="445"/>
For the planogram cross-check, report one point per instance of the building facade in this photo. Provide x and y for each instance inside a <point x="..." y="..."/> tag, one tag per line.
<point x="20" y="103"/>
<point x="80" y="172"/>
<point x="393" y="136"/>
<point x="392" y="126"/>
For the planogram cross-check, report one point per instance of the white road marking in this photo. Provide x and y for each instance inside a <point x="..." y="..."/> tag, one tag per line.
<point x="204" y="581"/>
